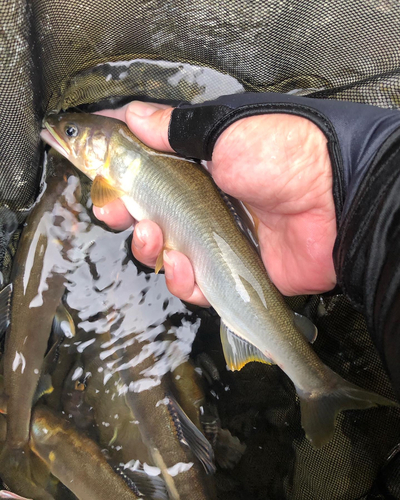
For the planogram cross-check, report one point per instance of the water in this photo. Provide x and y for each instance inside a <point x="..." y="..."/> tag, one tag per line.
<point x="145" y="79"/>
<point x="113" y="379"/>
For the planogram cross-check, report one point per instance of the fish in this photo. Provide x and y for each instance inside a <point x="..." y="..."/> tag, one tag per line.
<point x="75" y="459"/>
<point x="146" y="426"/>
<point x="93" y="399"/>
<point x="96" y="397"/>
<point x="40" y="486"/>
<point x="181" y="197"/>
<point x="37" y="288"/>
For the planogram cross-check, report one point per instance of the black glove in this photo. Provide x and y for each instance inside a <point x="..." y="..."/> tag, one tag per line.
<point x="364" y="148"/>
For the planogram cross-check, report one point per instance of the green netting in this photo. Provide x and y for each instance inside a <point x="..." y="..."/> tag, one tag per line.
<point x="58" y="55"/>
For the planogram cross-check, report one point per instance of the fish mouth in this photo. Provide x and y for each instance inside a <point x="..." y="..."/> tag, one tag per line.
<point x="50" y="137"/>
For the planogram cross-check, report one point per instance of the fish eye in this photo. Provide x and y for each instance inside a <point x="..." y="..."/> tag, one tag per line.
<point x="71" y="130"/>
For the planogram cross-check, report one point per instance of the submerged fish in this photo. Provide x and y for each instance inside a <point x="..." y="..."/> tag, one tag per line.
<point x="40" y="485"/>
<point x="147" y="425"/>
<point x="256" y="324"/>
<point x="38" y="285"/>
<point x="75" y="459"/>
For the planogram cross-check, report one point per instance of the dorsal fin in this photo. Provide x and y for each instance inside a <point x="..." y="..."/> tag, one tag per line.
<point x="196" y="441"/>
<point x="244" y="218"/>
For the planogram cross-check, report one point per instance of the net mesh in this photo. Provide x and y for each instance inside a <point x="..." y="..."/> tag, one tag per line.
<point x="57" y="55"/>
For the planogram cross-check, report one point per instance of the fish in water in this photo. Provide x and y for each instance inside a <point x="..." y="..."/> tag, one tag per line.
<point x="148" y="425"/>
<point x="180" y="196"/>
<point x="75" y="459"/>
<point x="38" y="286"/>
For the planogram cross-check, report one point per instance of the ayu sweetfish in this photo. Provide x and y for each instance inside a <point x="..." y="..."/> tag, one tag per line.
<point x="38" y="281"/>
<point x="256" y="324"/>
<point x="75" y="459"/>
<point x="142" y="424"/>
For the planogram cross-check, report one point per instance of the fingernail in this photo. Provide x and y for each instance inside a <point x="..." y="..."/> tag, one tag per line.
<point x="142" y="109"/>
<point x="169" y="268"/>
<point x="99" y="213"/>
<point x="138" y="240"/>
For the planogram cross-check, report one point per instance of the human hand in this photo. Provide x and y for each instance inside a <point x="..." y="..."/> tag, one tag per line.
<point x="278" y="164"/>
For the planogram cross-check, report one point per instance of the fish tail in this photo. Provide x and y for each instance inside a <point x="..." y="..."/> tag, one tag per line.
<point x="319" y="411"/>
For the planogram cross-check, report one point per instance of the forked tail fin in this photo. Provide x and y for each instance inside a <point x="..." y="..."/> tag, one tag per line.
<point x="319" y="411"/>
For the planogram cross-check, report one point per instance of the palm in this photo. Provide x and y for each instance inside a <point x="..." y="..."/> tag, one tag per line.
<point x="285" y="178"/>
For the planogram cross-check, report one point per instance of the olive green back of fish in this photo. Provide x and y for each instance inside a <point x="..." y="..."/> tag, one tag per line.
<point x="74" y="459"/>
<point x="32" y="310"/>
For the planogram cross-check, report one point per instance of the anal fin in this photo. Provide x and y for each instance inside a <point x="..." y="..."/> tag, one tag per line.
<point x="238" y="352"/>
<point x="150" y="487"/>
<point x="160" y="258"/>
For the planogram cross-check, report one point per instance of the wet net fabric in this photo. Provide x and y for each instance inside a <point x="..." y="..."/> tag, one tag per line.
<point x="58" y="55"/>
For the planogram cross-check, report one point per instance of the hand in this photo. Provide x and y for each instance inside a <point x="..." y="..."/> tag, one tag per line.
<point x="277" y="164"/>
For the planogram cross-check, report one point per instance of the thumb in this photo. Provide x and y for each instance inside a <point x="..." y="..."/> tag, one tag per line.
<point x="150" y="123"/>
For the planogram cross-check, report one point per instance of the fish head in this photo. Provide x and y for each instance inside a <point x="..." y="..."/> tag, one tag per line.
<point x="84" y="139"/>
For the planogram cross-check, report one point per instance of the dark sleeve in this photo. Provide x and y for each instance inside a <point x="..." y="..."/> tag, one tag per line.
<point x="364" y="148"/>
<point x="367" y="252"/>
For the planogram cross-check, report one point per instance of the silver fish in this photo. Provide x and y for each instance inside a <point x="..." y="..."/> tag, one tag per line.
<point x="256" y="324"/>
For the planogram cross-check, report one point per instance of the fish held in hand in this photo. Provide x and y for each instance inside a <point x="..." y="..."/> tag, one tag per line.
<point x="256" y="324"/>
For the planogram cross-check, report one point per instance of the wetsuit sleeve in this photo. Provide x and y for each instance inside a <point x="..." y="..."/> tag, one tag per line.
<point x="364" y="148"/>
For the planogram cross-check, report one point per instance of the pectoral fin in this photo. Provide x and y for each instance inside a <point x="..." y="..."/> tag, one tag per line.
<point x="63" y="324"/>
<point x="160" y="261"/>
<point x="8" y="494"/>
<point x="45" y="386"/>
<point x="228" y="450"/>
<point x="103" y="192"/>
<point x="238" y="352"/>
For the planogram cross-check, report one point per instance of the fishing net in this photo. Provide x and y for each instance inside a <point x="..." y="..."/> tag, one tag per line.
<point x="60" y="55"/>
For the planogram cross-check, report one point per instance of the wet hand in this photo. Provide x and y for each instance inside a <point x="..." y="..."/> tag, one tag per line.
<point x="277" y="164"/>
